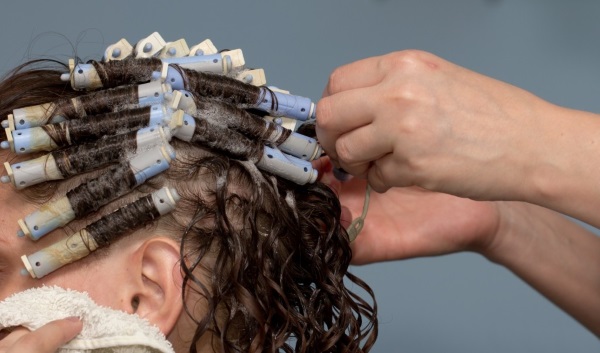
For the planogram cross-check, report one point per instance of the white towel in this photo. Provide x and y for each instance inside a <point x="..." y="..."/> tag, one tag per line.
<point x="104" y="330"/>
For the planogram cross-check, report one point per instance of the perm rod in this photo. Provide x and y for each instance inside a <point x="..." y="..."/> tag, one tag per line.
<point x="291" y="168"/>
<point x="129" y="175"/>
<point x="83" y="158"/>
<point x="85" y="76"/>
<point x="270" y="100"/>
<point x="272" y="160"/>
<point x="92" y="103"/>
<point x="97" y="235"/>
<point x="248" y="124"/>
<point x="71" y="132"/>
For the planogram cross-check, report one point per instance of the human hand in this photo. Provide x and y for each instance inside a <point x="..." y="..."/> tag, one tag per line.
<point x="413" y="222"/>
<point x="46" y="339"/>
<point x="413" y="119"/>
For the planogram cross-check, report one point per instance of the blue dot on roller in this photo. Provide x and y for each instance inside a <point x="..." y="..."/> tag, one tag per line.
<point x="5" y="145"/>
<point x="24" y="272"/>
<point x="20" y="233"/>
<point x="5" y="124"/>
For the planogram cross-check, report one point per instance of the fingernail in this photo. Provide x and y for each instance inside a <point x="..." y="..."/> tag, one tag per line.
<point x="340" y="174"/>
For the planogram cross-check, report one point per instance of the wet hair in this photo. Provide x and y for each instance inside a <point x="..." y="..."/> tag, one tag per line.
<point x="269" y="257"/>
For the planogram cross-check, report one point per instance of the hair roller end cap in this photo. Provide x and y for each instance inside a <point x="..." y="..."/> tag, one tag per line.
<point x="11" y="122"/>
<point x="24" y="231"/>
<point x="314" y="174"/>
<point x="9" y="143"/>
<point x="176" y="120"/>
<point x="174" y="194"/>
<point x="174" y="99"/>
<point x="28" y="268"/>
<point x="9" y="174"/>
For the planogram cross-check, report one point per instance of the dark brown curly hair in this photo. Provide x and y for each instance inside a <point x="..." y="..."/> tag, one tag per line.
<point x="278" y="270"/>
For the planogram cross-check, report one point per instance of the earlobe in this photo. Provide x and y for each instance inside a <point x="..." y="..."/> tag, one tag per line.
<point x="157" y="293"/>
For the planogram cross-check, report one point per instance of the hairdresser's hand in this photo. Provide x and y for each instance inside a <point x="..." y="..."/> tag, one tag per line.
<point x="46" y="339"/>
<point x="412" y="222"/>
<point x="413" y="119"/>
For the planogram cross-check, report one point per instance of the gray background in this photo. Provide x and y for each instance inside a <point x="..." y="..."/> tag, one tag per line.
<point x="458" y="303"/>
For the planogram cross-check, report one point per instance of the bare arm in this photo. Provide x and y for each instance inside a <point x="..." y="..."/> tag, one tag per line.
<point x="554" y="255"/>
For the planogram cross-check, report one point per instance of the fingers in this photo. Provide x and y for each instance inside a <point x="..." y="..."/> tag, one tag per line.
<point x="362" y="73"/>
<point x="341" y="113"/>
<point x="46" y="339"/>
<point x="357" y="150"/>
<point x="380" y="176"/>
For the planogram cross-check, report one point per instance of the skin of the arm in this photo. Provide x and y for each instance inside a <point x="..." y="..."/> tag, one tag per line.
<point x="556" y="256"/>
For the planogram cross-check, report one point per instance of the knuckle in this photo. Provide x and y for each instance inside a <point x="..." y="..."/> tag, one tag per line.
<point x="403" y="60"/>
<point x="412" y="126"/>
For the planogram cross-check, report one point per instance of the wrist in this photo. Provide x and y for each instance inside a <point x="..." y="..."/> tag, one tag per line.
<point x="500" y="244"/>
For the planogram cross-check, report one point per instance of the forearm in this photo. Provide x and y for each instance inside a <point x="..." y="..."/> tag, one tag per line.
<point x="555" y="256"/>
<point x="563" y="171"/>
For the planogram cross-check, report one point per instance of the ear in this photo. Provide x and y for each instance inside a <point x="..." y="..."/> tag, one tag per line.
<point x="155" y="289"/>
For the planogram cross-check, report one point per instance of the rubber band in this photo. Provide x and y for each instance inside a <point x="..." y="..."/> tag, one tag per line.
<point x="358" y="223"/>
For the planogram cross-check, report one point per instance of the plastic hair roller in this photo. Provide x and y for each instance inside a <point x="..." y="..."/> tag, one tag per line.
<point x="288" y="123"/>
<point x="36" y="115"/>
<point x="289" y="105"/>
<point x="296" y="144"/>
<point x="85" y="77"/>
<point x="149" y="46"/>
<point x="24" y="118"/>
<point x="58" y="213"/>
<point x="30" y="140"/>
<point x="174" y="49"/>
<point x="36" y="139"/>
<point x="118" y="51"/>
<point x="223" y="62"/>
<point x="293" y="106"/>
<point x="255" y="77"/>
<point x="291" y="168"/>
<point x="44" y="168"/>
<point x="82" y="243"/>
<point x="206" y="47"/>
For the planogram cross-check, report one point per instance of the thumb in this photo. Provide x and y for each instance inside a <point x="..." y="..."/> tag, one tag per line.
<point x="48" y="338"/>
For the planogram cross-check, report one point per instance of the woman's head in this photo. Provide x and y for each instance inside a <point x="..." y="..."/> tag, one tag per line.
<point x="247" y="261"/>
